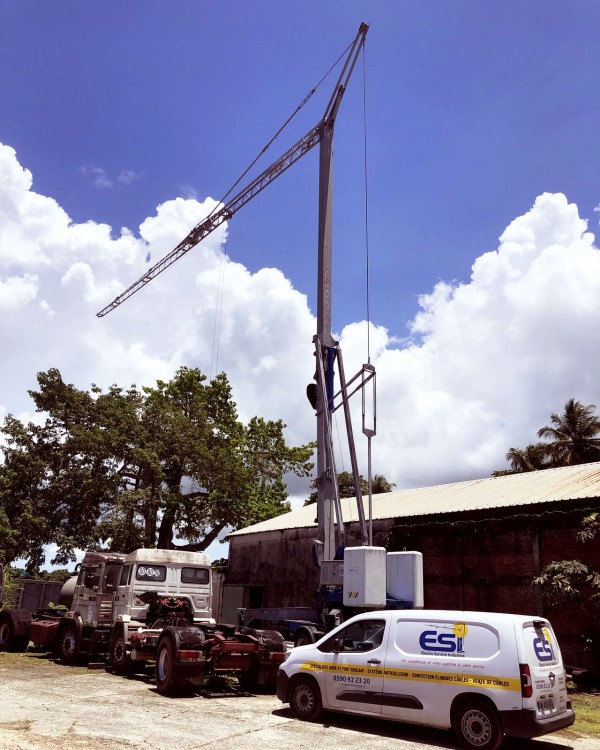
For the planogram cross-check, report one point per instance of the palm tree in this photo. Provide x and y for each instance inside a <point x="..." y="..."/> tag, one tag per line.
<point x="532" y="458"/>
<point x="380" y="484"/>
<point x="345" y="481"/>
<point x="573" y="435"/>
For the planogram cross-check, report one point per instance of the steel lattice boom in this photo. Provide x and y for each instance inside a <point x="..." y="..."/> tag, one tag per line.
<point x="215" y="219"/>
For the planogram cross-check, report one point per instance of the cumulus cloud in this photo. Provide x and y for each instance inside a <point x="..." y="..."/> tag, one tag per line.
<point x="490" y="359"/>
<point x="487" y="361"/>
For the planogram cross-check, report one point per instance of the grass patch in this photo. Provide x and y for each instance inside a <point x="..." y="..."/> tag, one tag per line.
<point x="30" y="662"/>
<point x="586" y="704"/>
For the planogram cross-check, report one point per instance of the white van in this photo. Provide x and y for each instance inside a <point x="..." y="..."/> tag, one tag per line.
<point x="483" y="674"/>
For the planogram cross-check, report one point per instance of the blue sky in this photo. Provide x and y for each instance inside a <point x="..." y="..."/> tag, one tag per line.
<point x="473" y="109"/>
<point x="484" y="200"/>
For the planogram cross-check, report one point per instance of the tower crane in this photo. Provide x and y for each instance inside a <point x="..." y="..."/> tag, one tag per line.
<point x="327" y="351"/>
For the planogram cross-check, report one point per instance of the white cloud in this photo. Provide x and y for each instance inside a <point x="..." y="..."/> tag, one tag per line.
<point x="487" y="363"/>
<point x="127" y="176"/>
<point x="16" y="291"/>
<point x="101" y="179"/>
<point x="492" y="358"/>
<point x="98" y="175"/>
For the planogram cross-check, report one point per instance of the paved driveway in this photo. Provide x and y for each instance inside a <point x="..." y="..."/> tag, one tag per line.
<point x="45" y="705"/>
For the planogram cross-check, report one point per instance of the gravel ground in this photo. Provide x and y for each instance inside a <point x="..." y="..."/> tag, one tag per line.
<point x="45" y="705"/>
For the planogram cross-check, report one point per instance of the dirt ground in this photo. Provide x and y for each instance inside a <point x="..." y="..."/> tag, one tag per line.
<point x="46" y="705"/>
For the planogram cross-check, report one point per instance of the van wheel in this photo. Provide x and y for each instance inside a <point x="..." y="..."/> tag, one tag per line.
<point x="305" y="699"/>
<point x="477" y="725"/>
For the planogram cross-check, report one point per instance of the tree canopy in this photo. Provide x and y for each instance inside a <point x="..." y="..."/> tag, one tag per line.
<point x="345" y="482"/>
<point x="573" y="437"/>
<point x="169" y="466"/>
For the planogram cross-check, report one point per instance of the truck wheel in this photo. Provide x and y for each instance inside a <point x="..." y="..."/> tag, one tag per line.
<point x="305" y="699"/>
<point x="248" y="679"/>
<point x="8" y="640"/>
<point x="272" y="640"/>
<point x="119" y="658"/>
<point x="68" y="646"/>
<point x="167" y="682"/>
<point x="477" y="725"/>
<point x="304" y="636"/>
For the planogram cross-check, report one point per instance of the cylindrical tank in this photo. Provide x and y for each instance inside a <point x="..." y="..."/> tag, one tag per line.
<point x="405" y="577"/>
<point x="66" y="593"/>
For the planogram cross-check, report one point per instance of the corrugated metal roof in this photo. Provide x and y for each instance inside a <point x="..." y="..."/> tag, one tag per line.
<point x="512" y="490"/>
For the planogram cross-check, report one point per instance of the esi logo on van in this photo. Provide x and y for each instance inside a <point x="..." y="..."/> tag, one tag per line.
<point x="543" y="648"/>
<point x="434" y="642"/>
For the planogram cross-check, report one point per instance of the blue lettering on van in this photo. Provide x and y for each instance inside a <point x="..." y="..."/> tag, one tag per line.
<point x="543" y="649"/>
<point x="442" y="643"/>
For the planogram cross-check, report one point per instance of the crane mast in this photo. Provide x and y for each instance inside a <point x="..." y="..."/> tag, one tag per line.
<point x="327" y="351"/>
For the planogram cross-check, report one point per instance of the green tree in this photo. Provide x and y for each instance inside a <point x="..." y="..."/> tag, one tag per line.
<point x="532" y="458"/>
<point x="573" y="435"/>
<point x="168" y="466"/>
<point x="380" y="484"/>
<point x="575" y="583"/>
<point x="345" y="482"/>
<point x="572" y="438"/>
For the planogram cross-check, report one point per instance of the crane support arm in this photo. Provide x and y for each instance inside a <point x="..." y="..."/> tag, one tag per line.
<point x="340" y="87"/>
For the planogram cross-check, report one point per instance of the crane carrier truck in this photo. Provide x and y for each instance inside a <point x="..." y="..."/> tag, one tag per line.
<point x="147" y="606"/>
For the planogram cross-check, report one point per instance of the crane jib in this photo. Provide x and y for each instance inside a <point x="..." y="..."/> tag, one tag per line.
<point x="291" y="156"/>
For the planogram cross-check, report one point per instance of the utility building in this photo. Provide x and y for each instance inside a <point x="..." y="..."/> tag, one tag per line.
<point x="482" y="541"/>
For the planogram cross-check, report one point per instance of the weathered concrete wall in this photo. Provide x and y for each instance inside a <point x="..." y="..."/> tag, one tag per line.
<point x="280" y="562"/>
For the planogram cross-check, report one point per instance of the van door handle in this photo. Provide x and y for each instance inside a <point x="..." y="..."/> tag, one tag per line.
<point x="373" y="661"/>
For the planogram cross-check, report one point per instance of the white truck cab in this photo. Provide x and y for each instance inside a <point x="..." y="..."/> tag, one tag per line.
<point x="176" y="573"/>
<point x="483" y="674"/>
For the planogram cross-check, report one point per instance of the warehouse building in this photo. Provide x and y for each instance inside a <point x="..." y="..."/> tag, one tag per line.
<point x="482" y="541"/>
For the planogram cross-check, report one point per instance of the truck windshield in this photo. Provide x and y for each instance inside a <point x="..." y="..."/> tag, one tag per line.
<point x="195" y="575"/>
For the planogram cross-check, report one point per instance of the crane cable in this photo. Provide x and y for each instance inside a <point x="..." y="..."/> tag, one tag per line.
<point x="366" y="207"/>
<point x="216" y="342"/>
<point x="366" y="182"/>
<point x="281" y="129"/>
<point x="221" y="282"/>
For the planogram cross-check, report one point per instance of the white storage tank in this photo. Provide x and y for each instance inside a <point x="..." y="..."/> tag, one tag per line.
<point x="364" y="577"/>
<point x="405" y="578"/>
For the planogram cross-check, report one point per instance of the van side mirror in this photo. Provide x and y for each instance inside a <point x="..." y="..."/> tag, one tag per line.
<point x="336" y="645"/>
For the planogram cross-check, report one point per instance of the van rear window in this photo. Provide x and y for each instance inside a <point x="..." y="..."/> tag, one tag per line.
<point x="195" y="575"/>
<point x="156" y="573"/>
